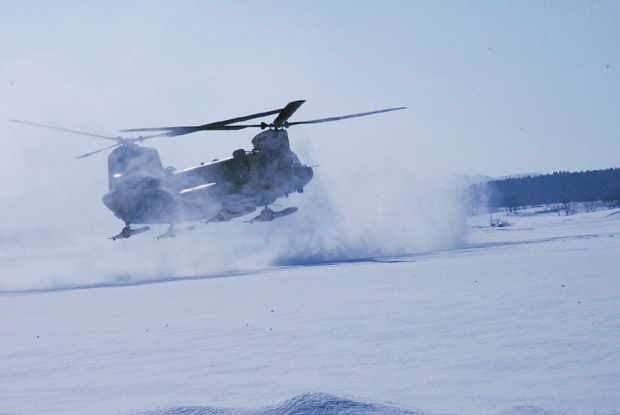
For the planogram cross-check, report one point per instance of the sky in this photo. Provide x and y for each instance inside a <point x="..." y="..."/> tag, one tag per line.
<point x="491" y="88"/>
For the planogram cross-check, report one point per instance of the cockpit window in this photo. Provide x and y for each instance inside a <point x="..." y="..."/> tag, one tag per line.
<point x="295" y="159"/>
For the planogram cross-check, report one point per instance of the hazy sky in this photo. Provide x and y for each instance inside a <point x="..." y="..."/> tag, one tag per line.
<point x="492" y="87"/>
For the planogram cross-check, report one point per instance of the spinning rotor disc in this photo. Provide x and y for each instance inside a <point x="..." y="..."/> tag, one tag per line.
<point x="281" y="121"/>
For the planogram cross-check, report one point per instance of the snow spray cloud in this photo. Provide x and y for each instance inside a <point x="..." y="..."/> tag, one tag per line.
<point x="372" y="219"/>
<point x="367" y="220"/>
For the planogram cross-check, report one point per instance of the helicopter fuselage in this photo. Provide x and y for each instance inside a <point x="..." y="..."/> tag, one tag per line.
<point x="142" y="191"/>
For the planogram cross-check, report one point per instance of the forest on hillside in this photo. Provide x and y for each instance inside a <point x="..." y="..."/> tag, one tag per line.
<point x="559" y="187"/>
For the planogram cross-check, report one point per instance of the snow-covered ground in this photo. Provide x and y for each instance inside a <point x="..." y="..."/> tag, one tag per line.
<point x="522" y="317"/>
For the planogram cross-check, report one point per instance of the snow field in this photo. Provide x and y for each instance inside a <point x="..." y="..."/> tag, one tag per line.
<point x="523" y="315"/>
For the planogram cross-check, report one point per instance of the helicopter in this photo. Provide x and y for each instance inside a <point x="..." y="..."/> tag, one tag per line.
<point x="143" y="192"/>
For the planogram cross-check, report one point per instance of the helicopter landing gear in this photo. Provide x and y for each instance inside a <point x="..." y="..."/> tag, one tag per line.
<point x="267" y="215"/>
<point x="127" y="232"/>
<point x="225" y="215"/>
<point x="173" y="231"/>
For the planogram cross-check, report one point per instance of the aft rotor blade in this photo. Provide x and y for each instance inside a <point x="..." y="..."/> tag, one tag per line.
<point x="51" y="127"/>
<point x="188" y="130"/>
<point x="344" y="117"/>
<point x="286" y="113"/>
<point x="210" y="126"/>
<point x="246" y="118"/>
<point x="98" y="151"/>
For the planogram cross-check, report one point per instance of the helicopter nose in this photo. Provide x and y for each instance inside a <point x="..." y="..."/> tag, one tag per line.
<point x="306" y="174"/>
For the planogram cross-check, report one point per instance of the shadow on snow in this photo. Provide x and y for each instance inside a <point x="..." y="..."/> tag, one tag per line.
<point x="298" y="262"/>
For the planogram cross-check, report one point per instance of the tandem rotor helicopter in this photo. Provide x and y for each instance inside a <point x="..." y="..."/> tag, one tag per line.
<point x="143" y="192"/>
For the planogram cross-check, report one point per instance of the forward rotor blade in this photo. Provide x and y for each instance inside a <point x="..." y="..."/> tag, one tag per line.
<point x="141" y="138"/>
<point x="51" y="127"/>
<point x="210" y="126"/>
<point x="344" y="117"/>
<point x="286" y="113"/>
<point x="98" y="151"/>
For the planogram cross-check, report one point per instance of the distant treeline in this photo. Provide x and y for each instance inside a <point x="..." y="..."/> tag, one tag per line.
<point x="559" y="187"/>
